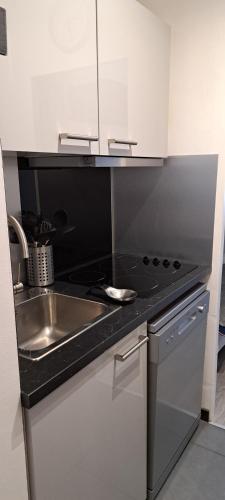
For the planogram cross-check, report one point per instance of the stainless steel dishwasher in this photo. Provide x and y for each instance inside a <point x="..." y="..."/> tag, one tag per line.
<point x="175" y="374"/>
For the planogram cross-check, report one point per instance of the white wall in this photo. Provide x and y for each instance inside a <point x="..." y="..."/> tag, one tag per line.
<point x="197" y="121"/>
<point x="13" y="483"/>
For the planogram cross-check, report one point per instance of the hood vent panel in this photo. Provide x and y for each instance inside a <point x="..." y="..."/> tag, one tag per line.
<point x="43" y="160"/>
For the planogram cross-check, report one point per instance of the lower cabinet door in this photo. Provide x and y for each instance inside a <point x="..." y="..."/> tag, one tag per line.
<point x="87" y="439"/>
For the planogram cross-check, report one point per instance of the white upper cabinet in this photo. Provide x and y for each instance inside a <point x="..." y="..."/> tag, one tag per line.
<point x="133" y="51"/>
<point x="48" y="79"/>
<point x="51" y="83"/>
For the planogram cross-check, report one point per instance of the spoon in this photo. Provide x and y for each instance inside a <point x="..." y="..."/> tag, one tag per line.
<point x="119" y="294"/>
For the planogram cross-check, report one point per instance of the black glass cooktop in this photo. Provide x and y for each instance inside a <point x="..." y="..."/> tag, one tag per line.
<point x="146" y="275"/>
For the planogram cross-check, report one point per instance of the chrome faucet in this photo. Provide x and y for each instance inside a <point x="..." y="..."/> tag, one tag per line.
<point x="14" y="223"/>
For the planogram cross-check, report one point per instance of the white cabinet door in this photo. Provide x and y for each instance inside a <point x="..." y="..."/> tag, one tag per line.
<point x="48" y="81"/>
<point x="133" y="47"/>
<point x="87" y="440"/>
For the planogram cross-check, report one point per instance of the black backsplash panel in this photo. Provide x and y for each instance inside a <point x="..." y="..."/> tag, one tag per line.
<point x="85" y="195"/>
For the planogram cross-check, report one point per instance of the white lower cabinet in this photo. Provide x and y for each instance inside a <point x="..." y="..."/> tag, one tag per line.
<point x="87" y="439"/>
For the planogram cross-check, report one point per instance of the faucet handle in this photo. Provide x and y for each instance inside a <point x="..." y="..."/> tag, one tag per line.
<point x="19" y="272"/>
<point x="18" y="286"/>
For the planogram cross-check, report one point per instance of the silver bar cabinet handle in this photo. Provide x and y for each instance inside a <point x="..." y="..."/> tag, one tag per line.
<point x="123" y="357"/>
<point x="126" y="142"/>
<point x="90" y="138"/>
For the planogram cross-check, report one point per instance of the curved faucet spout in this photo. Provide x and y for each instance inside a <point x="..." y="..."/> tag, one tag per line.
<point x="13" y="222"/>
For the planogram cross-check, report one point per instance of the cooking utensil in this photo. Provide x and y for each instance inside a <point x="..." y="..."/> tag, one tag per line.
<point x="45" y="226"/>
<point x="30" y="219"/>
<point x="60" y="221"/>
<point x="30" y="222"/>
<point x="60" y="218"/>
<point x="60" y="232"/>
<point x="119" y="294"/>
<point x="43" y="238"/>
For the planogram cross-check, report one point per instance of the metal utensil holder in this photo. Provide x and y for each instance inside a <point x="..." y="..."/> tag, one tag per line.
<point x="40" y="267"/>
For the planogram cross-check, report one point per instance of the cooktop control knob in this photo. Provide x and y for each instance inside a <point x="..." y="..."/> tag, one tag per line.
<point x="156" y="261"/>
<point x="177" y="264"/>
<point x="146" y="260"/>
<point x="166" y="263"/>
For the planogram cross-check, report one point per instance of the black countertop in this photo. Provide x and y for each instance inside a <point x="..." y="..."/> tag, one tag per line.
<point x="40" y="378"/>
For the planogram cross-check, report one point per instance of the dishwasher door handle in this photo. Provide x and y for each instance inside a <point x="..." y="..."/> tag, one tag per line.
<point x="142" y="340"/>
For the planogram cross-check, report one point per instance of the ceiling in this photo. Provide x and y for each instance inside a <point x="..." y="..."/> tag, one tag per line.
<point x="182" y="11"/>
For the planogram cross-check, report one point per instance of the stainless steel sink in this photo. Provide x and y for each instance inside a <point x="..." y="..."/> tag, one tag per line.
<point x="49" y="320"/>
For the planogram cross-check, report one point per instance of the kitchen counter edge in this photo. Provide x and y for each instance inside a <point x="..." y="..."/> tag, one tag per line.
<point x="39" y="379"/>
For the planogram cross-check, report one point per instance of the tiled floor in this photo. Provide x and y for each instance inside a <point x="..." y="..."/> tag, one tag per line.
<point x="200" y="473"/>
